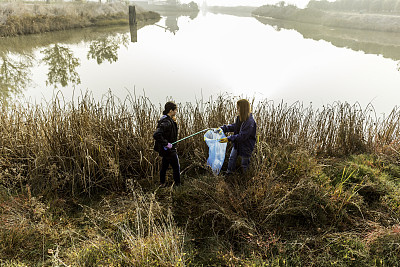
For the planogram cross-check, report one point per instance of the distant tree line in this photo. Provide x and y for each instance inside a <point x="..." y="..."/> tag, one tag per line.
<point x="372" y="6"/>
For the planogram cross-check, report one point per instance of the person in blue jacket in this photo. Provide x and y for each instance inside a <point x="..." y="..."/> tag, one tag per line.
<point x="243" y="138"/>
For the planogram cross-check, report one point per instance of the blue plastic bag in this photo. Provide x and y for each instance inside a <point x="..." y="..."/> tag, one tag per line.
<point x="216" y="150"/>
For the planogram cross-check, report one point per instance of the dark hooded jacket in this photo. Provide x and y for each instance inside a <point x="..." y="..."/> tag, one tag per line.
<point x="244" y="135"/>
<point x="166" y="132"/>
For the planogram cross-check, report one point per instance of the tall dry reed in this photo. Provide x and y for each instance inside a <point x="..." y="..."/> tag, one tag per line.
<point x="87" y="145"/>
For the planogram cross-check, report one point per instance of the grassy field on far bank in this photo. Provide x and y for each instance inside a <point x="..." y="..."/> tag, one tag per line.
<point x="79" y="187"/>
<point x="18" y="18"/>
<point x="372" y="22"/>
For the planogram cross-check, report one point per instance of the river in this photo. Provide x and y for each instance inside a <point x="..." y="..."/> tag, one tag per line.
<point x="185" y="58"/>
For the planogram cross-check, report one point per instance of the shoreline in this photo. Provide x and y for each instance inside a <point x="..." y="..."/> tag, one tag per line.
<point x="41" y="18"/>
<point x="371" y="22"/>
<point x="386" y="44"/>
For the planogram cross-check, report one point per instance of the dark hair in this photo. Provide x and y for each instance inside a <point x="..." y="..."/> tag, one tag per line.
<point x="168" y="107"/>
<point x="244" y="109"/>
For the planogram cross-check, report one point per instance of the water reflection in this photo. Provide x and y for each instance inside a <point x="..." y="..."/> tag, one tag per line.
<point x="171" y="23"/>
<point x="379" y="43"/>
<point x="193" y="15"/>
<point x="29" y="43"/>
<point x="133" y="31"/>
<point x="62" y="66"/>
<point x="14" y="74"/>
<point x="106" y="48"/>
<point x="165" y="56"/>
<point x="171" y="19"/>
<point x="17" y="55"/>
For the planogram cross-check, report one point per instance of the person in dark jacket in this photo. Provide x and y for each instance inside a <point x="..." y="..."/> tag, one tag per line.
<point x="243" y="138"/>
<point x="166" y="134"/>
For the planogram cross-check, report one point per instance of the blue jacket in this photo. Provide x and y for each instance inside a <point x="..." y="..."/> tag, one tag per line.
<point x="244" y="135"/>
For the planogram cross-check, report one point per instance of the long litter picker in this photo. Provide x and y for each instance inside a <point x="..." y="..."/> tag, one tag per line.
<point x="190" y="136"/>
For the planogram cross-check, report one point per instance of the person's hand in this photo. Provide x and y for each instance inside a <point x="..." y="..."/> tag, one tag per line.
<point x="169" y="146"/>
<point x="223" y="140"/>
<point x="218" y="130"/>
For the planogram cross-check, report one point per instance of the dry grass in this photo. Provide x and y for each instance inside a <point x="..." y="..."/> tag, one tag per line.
<point x="133" y="230"/>
<point x="310" y="196"/>
<point x="78" y="147"/>
<point x="295" y="213"/>
<point x="22" y="18"/>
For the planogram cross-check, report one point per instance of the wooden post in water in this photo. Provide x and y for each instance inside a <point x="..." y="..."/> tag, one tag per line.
<point x="132" y="15"/>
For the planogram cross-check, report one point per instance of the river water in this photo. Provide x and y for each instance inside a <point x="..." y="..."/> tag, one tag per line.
<point x="185" y="58"/>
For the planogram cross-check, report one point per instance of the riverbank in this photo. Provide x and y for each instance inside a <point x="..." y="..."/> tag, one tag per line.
<point x="79" y="187"/>
<point x="239" y="11"/>
<point x="372" y="22"/>
<point x="188" y="8"/>
<point x="24" y="18"/>
<point x="370" y="42"/>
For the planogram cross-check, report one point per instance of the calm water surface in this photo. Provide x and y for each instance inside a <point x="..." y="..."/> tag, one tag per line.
<point x="187" y="58"/>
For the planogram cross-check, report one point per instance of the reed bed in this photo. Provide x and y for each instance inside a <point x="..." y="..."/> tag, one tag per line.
<point x="322" y="188"/>
<point x="84" y="145"/>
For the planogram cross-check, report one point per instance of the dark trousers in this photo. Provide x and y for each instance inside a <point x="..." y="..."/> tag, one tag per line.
<point x="232" y="161"/>
<point x="170" y="159"/>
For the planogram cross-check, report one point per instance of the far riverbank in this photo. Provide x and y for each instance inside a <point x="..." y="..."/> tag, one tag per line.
<point x="373" y="22"/>
<point x="23" y="18"/>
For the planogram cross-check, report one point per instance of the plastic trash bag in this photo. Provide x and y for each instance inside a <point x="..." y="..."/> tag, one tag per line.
<point x="216" y="150"/>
